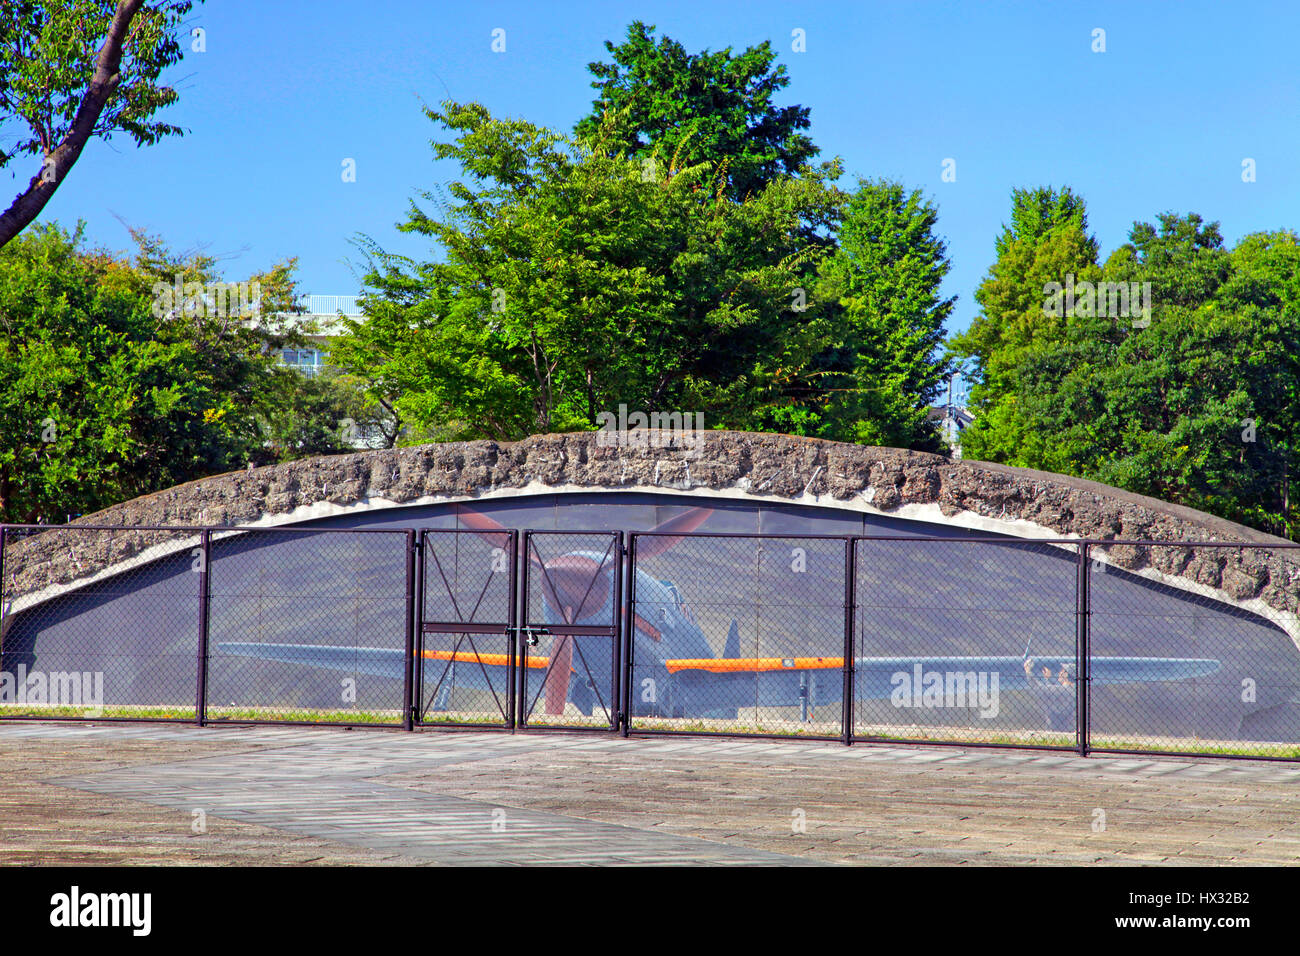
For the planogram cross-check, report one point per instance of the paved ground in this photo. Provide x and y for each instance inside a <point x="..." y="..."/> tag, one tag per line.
<point x="73" y="793"/>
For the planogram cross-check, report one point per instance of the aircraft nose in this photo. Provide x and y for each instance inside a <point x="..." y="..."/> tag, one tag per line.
<point x="575" y="585"/>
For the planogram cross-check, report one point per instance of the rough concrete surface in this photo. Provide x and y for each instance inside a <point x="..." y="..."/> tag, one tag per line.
<point x="127" y="794"/>
<point x="761" y="466"/>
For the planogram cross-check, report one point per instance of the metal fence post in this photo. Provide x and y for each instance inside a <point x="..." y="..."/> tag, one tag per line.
<point x="205" y="605"/>
<point x="4" y="609"/>
<point x="1083" y="652"/>
<point x="850" y="619"/>
<point x="417" y="650"/>
<point x="629" y="635"/>
<point x="412" y="613"/>
<point x="616" y="687"/>
<point x="512" y="630"/>
<point x="520" y="689"/>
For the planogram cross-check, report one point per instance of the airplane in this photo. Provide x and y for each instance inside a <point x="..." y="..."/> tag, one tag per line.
<point x="676" y="672"/>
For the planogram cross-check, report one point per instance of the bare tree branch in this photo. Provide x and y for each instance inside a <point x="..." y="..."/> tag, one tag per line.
<point x="28" y="204"/>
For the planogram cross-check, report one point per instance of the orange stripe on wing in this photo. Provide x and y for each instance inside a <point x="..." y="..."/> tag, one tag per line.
<point x="731" y="665"/>
<point x="491" y="660"/>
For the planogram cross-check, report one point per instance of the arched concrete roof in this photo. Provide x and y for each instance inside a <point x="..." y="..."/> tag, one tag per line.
<point x="762" y="467"/>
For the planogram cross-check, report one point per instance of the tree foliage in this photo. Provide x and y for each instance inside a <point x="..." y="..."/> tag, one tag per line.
<point x="689" y="108"/>
<point x="106" y="393"/>
<point x="882" y="284"/>
<point x="71" y="70"/>
<point x="1046" y="241"/>
<point x="1193" y="403"/>
<point x="576" y="279"/>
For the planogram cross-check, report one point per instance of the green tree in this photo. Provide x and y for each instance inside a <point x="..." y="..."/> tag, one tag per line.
<point x="683" y="108"/>
<point x="93" y="399"/>
<point x="883" y="370"/>
<point x="109" y="389"/>
<point x="275" y="413"/>
<point x="576" y="279"/>
<point x="74" y="69"/>
<point x="1046" y="242"/>
<point x="1195" y="407"/>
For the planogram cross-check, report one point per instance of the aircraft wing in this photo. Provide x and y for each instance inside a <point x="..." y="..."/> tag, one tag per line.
<point x="1011" y="670"/>
<point x="786" y="682"/>
<point x="376" y="661"/>
<point x="475" y="670"/>
<point x="1125" y="670"/>
<point x="725" y="682"/>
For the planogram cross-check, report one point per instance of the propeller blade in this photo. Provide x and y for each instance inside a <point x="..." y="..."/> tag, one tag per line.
<point x="648" y="629"/>
<point x="557" y="681"/>
<point x="557" y="678"/>
<point x="491" y="531"/>
<point x="577" y="586"/>
<point x="648" y="547"/>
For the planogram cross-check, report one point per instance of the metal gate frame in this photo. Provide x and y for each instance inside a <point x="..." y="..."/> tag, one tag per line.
<point x="508" y="629"/>
<point x="528" y="630"/>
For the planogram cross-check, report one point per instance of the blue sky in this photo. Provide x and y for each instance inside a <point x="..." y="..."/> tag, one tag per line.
<point x="1162" y="120"/>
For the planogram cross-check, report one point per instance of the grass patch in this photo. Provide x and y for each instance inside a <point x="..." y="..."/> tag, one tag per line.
<point x="463" y="717"/>
<point x="900" y="734"/>
<point x="186" y="712"/>
<point x="702" y="726"/>
<point x="153" y="712"/>
<point x="1195" y="746"/>
<point x="313" y="715"/>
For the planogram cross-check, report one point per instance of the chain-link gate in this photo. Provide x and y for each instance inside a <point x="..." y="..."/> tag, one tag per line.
<point x="466" y="658"/>
<point x="569" y="652"/>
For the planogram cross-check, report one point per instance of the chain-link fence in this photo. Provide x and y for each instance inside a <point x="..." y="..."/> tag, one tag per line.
<point x="1192" y="648"/>
<point x="971" y="640"/>
<point x="1144" y="647"/>
<point x="99" y="623"/>
<point x="307" y="626"/>
<point x="738" y="634"/>
<point x="254" y="625"/>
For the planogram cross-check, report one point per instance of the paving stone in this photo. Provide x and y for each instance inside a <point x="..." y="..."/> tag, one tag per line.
<point x="576" y="800"/>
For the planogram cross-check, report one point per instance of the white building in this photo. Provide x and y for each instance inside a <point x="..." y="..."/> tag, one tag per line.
<point x="322" y="324"/>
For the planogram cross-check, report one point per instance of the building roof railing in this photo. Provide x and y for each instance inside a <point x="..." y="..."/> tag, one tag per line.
<point x="330" y="304"/>
<point x="320" y="315"/>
